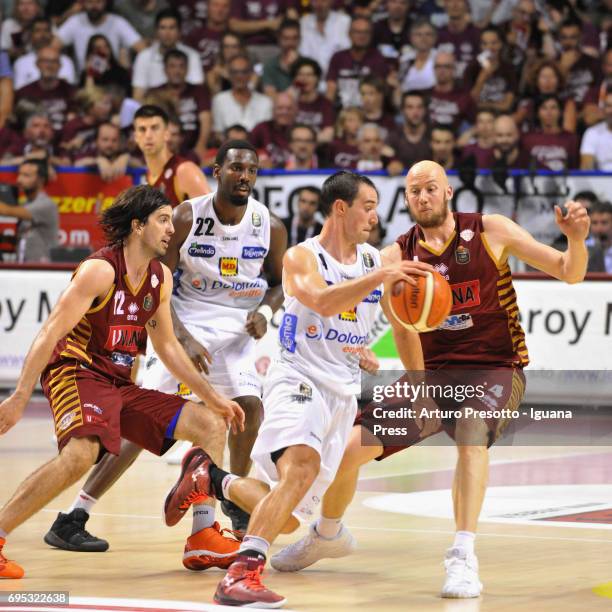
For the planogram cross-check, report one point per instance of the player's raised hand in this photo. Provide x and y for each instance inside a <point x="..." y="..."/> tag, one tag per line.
<point x="405" y="270"/>
<point x="230" y="411"/>
<point x="368" y="361"/>
<point x="11" y="410"/>
<point x="256" y="325"/>
<point x="196" y="352"/>
<point x="575" y="224"/>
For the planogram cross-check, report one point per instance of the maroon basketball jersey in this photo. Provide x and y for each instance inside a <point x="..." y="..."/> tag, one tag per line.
<point x="112" y="332"/>
<point x="483" y="329"/>
<point x="166" y="181"/>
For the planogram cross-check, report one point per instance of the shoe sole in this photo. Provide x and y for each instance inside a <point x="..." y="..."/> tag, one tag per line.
<point x="279" y="567"/>
<point x="185" y="465"/>
<point x="256" y="604"/>
<point x="56" y="542"/>
<point x="198" y="564"/>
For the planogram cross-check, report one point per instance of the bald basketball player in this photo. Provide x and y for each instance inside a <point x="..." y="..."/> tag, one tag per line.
<point x="177" y="177"/>
<point x="483" y="332"/>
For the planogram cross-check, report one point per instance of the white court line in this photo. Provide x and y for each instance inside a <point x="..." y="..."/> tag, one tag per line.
<point x="390" y="529"/>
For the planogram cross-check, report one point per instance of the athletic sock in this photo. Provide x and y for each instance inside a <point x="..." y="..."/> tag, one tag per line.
<point x="225" y="485"/>
<point x="328" y="528"/>
<point x="216" y="478"/>
<point x="203" y="517"/>
<point x="83" y="500"/>
<point x="254" y="546"/>
<point x="465" y="540"/>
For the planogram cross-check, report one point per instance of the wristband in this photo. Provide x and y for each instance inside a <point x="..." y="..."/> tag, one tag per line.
<point x="266" y="311"/>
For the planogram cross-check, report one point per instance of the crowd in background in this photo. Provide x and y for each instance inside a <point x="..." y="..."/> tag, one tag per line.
<point x="363" y="84"/>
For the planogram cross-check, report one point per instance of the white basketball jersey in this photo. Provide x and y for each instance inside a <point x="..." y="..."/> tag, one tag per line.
<point x="218" y="279"/>
<point x="327" y="349"/>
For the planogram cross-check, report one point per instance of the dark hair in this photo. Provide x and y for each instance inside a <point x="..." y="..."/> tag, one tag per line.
<point x="233" y="144"/>
<point x="289" y="24"/>
<point x="305" y="61"/>
<point x="133" y="203"/>
<point x="175" y="54"/>
<point x="40" y="19"/>
<point x="41" y="167"/>
<point x="312" y="189"/>
<point x="150" y="110"/>
<point x="343" y="185"/>
<point x="541" y="100"/>
<point x="497" y="31"/>
<point x="414" y="93"/>
<point x="587" y="195"/>
<point x="91" y="42"/>
<point x="571" y="23"/>
<point x="443" y="127"/>
<point x="169" y="13"/>
<point x="373" y="81"/>
<point x="303" y="126"/>
<point x="236" y="126"/>
<point x="601" y="207"/>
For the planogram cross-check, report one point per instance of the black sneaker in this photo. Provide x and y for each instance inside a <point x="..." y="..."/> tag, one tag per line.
<point x="239" y="518"/>
<point x="68" y="532"/>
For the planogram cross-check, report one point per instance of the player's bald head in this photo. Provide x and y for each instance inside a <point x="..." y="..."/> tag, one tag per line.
<point x="427" y="170"/>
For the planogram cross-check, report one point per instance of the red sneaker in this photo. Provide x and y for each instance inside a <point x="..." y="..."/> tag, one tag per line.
<point x="193" y="485"/>
<point x="242" y="586"/>
<point x="9" y="569"/>
<point x="210" y="548"/>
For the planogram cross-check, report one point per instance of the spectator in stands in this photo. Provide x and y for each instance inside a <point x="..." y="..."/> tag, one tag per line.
<point x="442" y="144"/>
<point x="240" y="104"/>
<point x="314" y="109"/>
<point x="36" y="143"/>
<point x="600" y="253"/>
<point x="545" y="80"/>
<point x="15" y="32"/>
<point x="581" y="71"/>
<point x="371" y="143"/>
<point x="102" y="68"/>
<point x="342" y="152"/>
<point x="233" y="132"/>
<point x="142" y="15"/>
<point x="38" y="218"/>
<point x="416" y="67"/>
<point x="272" y="137"/>
<point x="106" y="153"/>
<point x="94" y="106"/>
<point x="54" y="94"/>
<point x="149" y="69"/>
<point x="348" y="67"/>
<point x="303" y="224"/>
<point x="594" y="100"/>
<point x="323" y="33"/>
<point x="392" y="34"/>
<point x="449" y="104"/>
<point x="25" y="68"/>
<point x="95" y="19"/>
<point x="302" y="145"/>
<point x="460" y="37"/>
<point x="596" y="147"/>
<point x="372" y="91"/>
<point x="550" y="146"/>
<point x="506" y="140"/>
<point x="411" y="143"/>
<point x="218" y="77"/>
<point x="491" y="80"/>
<point x="176" y="143"/>
<point x="480" y="148"/>
<point x="377" y="235"/>
<point x="6" y="88"/>
<point x="257" y="22"/>
<point x="192" y="104"/>
<point x="206" y="39"/>
<point x="193" y="12"/>
<point x="277" y="70"/>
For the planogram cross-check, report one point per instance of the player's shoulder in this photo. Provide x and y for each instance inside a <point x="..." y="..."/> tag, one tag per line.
<point x="300" y="256"/>
<point x="96" y="271"/>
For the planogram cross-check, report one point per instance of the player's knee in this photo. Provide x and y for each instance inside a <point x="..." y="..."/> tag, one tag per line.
<point x="303" y="470"/>
<point x="471" y="433"/>
<point x="291" y="525"/>
<point x="252" y="407"/>
<point x="196" y="420"/>
<point x="78" y="456"/>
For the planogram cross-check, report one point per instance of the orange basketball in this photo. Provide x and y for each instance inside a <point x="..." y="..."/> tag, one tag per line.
<point x="423" y="307"/>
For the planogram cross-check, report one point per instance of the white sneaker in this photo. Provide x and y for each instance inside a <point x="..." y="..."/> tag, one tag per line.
<point x="175" y="455"/>
<point x="311" y="548"/>
<point x="461" y="575"/>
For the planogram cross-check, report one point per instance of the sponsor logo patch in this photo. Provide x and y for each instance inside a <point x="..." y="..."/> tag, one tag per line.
<point x="253" y="252"/>
<point x="124" y="337"/>
<point x="201" y="250"/>
<point x="286" y="332"/>
<point x="349" y="315"/>
<point x="256" y="219"/>
<point x="147" y="303"/>
<point x="467" y="234"/>
<point x="228" y="266"/>
<point x="183" y="390"/>
<point x="457" y="322"/>
<point x="368" y="260"/>
<point x="466" y="295"/>
<point x="462" y="255"/>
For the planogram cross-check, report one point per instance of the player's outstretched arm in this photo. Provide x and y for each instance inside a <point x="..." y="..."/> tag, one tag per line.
<point x="191" y="180"/>
<point x="507" y="238"/>
<point x="257" y="320"/>
<point x="93" y="279"/>
<point x="174" y="357"/>
<point x="303" y="281"/>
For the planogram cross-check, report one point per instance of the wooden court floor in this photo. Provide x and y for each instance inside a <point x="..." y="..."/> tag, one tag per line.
<point x="525" y="565"/>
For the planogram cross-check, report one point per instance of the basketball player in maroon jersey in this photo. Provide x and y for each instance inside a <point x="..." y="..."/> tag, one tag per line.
<point x="84" y="354"/>
<point x="176" y="176"/>
<point x="482" y="333"/>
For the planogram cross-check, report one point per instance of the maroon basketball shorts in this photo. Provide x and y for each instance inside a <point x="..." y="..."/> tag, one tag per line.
<point x="86" y="403"/>
<point x="504" y="392"/>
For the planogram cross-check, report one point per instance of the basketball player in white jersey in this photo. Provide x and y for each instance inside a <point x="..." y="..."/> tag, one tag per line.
<point x="333" y="284"/>
<point x="223" y="244"/>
